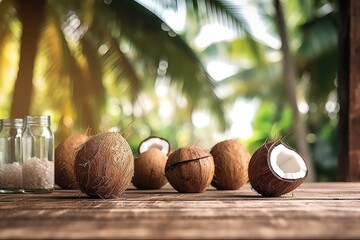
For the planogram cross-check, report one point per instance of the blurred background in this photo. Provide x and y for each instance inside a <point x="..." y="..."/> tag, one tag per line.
<point x="190" y="71"/>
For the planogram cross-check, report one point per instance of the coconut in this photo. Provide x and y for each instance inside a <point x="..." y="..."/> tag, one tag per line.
<point x="150" y="170"/>
<point x="104" y="165"/>
<point x="154" y="142"/>
<point x="231" y="165"/>
<point x="190" y="169"/>
<point x="276" y="169"/>
<point x="65" y="154"/>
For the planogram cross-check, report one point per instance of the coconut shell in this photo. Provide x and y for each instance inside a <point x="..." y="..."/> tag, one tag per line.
<point x="190" y="169"/>
<point x="150" y="170"/>
<point x="264" y="179"/>
<point x="231" y="165"/>
<point x="104" y="166"/>
<point x="65" y="154"/>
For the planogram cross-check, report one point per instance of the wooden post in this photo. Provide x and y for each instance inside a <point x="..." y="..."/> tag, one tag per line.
<point x="349" y="90"/>
<point x="343" y="89"/>
<point x="354" y="86"/>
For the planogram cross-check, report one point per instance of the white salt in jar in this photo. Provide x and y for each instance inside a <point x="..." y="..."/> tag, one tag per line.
<point x="38" y="155"/>
<point x="10" y="155"/>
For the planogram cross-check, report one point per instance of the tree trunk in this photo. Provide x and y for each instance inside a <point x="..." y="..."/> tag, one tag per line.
<point x="31" y="15"/>
<point x="289" y="72"/>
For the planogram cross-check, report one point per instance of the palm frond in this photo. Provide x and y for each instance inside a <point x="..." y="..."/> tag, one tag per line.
<point x="153" y="44"/>
<point x="73" y="71"/>
<point x="239" y="50"/>
<point x="319" y="40"/>
<point x="224" y="12"/>
<point x="49" y="45"/>
<point x="261" y="81"/>
<point x="7" y="13"/>
<point x="229" y="14"/>
<point x="115" y="61"/>
<point x="93" y="78"/>
<point x="159" y="6"/>
<point x="323" y="73"/>
<point x="318" y="35"/>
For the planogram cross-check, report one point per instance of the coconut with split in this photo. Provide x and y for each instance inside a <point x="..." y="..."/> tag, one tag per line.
<point x="190" y="169"/>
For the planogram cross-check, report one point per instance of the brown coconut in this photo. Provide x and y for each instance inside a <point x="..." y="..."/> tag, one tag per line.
<point x="276" y="169"/>
<point x="190" y="169"/>
<point x="104" y="165"/>
<point x="65" y="154"/>
<point x="231" y="165"/>
<point x="150" y="169"/>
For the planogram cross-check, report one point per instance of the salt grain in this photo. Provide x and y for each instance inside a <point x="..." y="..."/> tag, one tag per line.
<point x="38" y="174"/>
<point x="10" y="176"/>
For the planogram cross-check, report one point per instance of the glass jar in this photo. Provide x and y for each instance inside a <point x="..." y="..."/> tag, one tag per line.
<point x="10" y="155"/>
<point x="38" y="155"/>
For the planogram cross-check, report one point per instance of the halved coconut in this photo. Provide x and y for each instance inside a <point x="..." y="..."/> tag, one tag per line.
<point x="276" y="169"/>
<point x="154" y="142"/>
<point x="286" y="163"/>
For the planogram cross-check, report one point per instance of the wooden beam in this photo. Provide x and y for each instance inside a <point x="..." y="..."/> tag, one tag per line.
<point x="343" y="89"/>
<point x="354" y="107"/>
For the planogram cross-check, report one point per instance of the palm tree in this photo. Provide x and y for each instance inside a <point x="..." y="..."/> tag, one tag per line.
<point x="289" y="71"/>
<point x="63" y="39"/>
<point x="31" y="14"/>
<point x="309" y="53"/>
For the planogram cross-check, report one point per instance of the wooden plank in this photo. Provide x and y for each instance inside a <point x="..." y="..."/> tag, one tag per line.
<point x="193" y="229"/>
<point x="315" y="210"/>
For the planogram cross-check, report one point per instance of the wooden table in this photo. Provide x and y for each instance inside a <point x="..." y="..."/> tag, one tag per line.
<point x="314" y="210"/>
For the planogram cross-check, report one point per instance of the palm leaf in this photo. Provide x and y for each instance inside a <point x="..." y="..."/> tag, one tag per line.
<point x="229" y="14"/>
<point x="93" y="78"/>
<point x="50" y="46"/>
<point x="263" y="81"/>
<point x="323" y="73"/>
<point x="74" y="74"/>
<point x="319" y="42"/>
<point x="224" y="12"/>
<point x="57" y="77"/>
<point x="238" y="50"/>
<point x="153" y="44"/>
<point x="114" y="61"/>
<point x="6" y="16"/>
<point x="6" y="35"/>
<point x="318" y="35"/>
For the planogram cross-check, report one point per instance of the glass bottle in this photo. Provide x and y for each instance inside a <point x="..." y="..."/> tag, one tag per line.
<point x="38" y="155"/>
<point x="10" y="155"/>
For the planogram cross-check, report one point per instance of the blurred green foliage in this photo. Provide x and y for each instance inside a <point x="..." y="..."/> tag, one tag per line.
<point x="118" y="65"/>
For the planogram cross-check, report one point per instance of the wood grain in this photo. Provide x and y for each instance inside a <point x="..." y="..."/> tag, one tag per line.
<point x="353" y="171"/>
<point x="315" y="210"/>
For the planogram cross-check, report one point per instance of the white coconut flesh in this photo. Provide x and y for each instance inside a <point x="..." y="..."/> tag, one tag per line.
<point x="287" y="164"/>
<point x="158" y="143"/>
